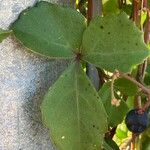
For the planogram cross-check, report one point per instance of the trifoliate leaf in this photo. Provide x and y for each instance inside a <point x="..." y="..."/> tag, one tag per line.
<point x="50" y="29"/>
<point x="74" y="113"/>
<point x="114" y="42"/>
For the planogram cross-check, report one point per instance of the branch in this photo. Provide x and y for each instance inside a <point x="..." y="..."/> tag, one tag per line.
<point x="129" y="143"/>
<point x="114" y="100"/>
<point x="126" y="144"/>
<point x="145" y="4"/>
<point x="133" y="141"/>
<point x="142" y="67"/>
<point x="94" y="9"/>
<point x="147" y="28"/>
<point x="90" y="10"/>
<point x="143" y="88"/>
<point x="135" y="11"/>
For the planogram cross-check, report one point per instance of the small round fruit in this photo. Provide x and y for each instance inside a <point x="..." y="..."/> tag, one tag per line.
<point x="136" y="121"/>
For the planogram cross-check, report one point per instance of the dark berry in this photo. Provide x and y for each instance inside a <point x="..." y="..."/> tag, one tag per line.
<point x="136" y="121"/>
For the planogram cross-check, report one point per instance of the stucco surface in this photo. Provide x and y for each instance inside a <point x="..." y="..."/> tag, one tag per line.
<point x="24" y="79"/>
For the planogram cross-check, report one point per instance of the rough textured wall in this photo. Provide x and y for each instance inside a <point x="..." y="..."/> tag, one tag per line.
<point x="24" y="78"/>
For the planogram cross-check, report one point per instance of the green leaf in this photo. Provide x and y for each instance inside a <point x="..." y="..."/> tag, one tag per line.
<point x="114" y="42"/>
<point x="121" y="134"/>
<point x="126" y="87"/>
<point x="147" y="132"/>
<point x="145" y="143"/>
<point x="114" y="118"/>
<point x="110" y="6"/>
<point x="147" y="79"/>
<point x="130" y="102"/>
<point x="50" y="30"/>
<point x="74" y="113"/>
<point x="106" y="146"/>
<point x="148" y="3"/>
<point x="127" y="8"/>
<point x="4" y="34"/>
<point x="143" y="17"/>
<point x="109" y="144"/>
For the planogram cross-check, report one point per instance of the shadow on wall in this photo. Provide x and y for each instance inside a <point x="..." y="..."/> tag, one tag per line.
<point x="24" y="79"/>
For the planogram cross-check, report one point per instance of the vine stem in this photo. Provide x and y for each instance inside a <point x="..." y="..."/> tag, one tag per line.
<point x="129" y="143"/>
<point x="145" y="89"/>
<point x="147" y="28"/>
<point x="142" y="67"/>
<point x="90" y="10"/>
<point x="112" y="87"/>
<point x="120" y="3"/>
<point x="137" y="14"/>
<point x="140" y="85"/>
<point x="94" y="9"/>
<point x="114" y="100"/>
<point x="135" y="10"/>
<point x="145" y="3"/>
<point x="126" y="144"/>
<point x="133" y="141"/>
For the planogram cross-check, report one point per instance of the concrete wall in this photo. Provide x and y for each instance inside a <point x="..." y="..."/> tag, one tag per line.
<point x="24" y="78"/>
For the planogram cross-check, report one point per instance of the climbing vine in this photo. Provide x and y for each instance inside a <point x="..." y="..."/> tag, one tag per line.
<point x="117" y="43"/>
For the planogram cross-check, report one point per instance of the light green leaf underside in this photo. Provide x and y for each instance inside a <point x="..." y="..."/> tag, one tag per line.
<point x="50" y="29"/>
<point x="114" y="118"/>
<point x="114" y="42"/>
<point x="74" y="113"/>
<point x="4" y="34"/>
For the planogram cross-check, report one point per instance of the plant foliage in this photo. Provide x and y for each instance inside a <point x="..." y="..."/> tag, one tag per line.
<point x="50" y="30"/>
<point x="79" y="117"/>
